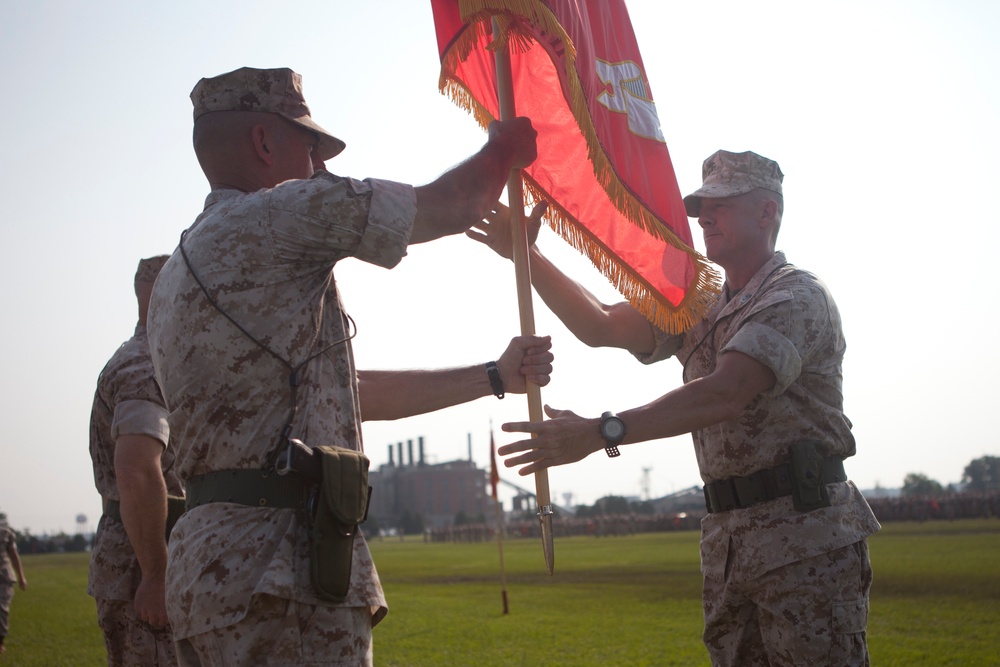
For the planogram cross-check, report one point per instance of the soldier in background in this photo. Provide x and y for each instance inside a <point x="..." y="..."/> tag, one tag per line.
<point x="132" y="472"/>
<point x="10" y="566"/>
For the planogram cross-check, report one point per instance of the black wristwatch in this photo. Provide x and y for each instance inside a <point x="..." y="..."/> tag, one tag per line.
<point x="613" y="431"/>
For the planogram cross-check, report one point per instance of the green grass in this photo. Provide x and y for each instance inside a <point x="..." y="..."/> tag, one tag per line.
<point x="54" y="622"/>
<point x="613" y="601"/>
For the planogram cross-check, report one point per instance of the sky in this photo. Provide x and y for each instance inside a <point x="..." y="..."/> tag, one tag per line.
<point x="882" y="115"/>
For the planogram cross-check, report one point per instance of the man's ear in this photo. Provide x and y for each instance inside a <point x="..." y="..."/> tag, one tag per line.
<point x="261" y="139"/>
<point x="769" y="210"/>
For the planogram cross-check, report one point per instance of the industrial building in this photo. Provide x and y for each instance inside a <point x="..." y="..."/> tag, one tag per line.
<point x="437" y="493"/>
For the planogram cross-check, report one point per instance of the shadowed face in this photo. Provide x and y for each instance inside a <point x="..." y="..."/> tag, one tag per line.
<point x="730" y="227"/>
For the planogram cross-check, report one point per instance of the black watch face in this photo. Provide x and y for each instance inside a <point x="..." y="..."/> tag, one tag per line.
<point x="613" y="429"/>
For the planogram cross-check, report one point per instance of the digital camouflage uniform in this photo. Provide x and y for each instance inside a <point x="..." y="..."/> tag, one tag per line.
<point x="267" y="259"/>
<point x="781" y="587"/>
<point x="127" y="402"/>
<point x="7" y="579"/>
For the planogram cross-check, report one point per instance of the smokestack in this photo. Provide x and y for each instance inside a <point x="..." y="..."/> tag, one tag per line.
<point x="399" y="451"/>
<point x="420" y="442"/>
<point x="409" y="450"/>
<point x="468" y="437"/>
<point x="391" y="461"/>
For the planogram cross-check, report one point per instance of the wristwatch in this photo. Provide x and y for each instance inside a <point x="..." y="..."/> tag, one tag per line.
<point x="613" y="431"/>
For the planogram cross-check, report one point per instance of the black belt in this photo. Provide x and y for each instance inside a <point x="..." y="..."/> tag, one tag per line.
<point x="175" y="507"/>
<point x="763" y="485"/>
<point x="113" y="510"/>
<point x="251" y="487"/>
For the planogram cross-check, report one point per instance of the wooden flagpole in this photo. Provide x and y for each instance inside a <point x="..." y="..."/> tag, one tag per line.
<point x="522" y="274"/>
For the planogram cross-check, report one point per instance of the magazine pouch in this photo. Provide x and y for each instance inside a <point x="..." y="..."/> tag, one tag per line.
<point x="808" y="486"/>
<point x="340" y="506"/>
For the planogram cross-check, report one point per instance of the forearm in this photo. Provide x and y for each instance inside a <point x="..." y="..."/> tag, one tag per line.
<point x="591" y="321"/>
<point x="15" y="561"/>
<point x="462" y="196"/>
<point x="143" y="502"/>
<point x="388" y="395"/>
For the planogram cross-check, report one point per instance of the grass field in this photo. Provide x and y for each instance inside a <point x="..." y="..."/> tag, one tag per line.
<point x="613" y="601"/>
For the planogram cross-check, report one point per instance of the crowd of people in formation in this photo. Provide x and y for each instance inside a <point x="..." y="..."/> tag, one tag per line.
<point x="968" y="505"/>
<point x="565" y="526"/>
<point x="951" y="506"/>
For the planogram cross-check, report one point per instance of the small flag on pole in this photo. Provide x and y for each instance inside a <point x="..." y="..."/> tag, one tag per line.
<point x="494" y="475"/>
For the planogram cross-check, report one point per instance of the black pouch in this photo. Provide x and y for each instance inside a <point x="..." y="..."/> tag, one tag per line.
<point x="808" y="488"/>
<point x="175" y="507"/>
<point x="340" y="506"/>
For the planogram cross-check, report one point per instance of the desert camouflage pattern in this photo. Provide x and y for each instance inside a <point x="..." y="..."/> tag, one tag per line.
<point x="127" y="401"/>
<point x="129" y="641"/>
<point x="149" y="268"/>
<point x="726" y="174"/>
<point x="284" y="632"/>
<point x="277" y="91"/>
<point x="7" y="538"/>
<point x="7" y="579"/>
<point x="267" y="259"/>
<point x="812" y="612"/>
<point x="786" y="319"/>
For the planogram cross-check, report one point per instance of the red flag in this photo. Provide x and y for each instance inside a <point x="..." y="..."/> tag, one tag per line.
<point x="602" y="164"/>
<point x="494" y="475"/>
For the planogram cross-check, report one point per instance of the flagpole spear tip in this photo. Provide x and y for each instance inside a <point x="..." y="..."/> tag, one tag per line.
<point x="548" y="548"/>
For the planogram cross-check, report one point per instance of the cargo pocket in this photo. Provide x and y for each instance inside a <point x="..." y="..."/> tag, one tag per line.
<point x="850" y="617"/>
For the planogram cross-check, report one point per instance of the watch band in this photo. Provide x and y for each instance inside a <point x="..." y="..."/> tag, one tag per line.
<point x="495" y="382"/>
<point x="611" y="445"/>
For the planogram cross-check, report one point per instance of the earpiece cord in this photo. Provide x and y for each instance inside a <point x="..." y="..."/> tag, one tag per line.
<point x="293" y="378"/>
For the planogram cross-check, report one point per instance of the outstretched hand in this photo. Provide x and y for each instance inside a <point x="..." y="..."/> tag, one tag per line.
<point x="564" y="437"/>
<point x="494" y="229"/>
<point x="527" y="358"/>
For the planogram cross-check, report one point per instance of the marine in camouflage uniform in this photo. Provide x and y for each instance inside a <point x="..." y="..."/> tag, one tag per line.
<point x="132" y="464"/>
<point x="262" y="253"/>
<point x="762" y="373"/>
<point x="10" y="571"/>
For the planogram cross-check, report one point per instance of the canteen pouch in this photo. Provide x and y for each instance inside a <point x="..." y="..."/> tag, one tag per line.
<point x="808" y="488"/>
<point x="341" y="504"/>
<point x="175" y="507"/>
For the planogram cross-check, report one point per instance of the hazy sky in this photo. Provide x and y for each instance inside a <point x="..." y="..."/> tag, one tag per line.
<point x="882" y="115"/>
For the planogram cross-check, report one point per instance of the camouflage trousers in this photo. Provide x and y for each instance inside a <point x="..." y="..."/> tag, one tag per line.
<point x="813" y="612"/>
<point x="131" y="641"/>
<point x="6" y="597"/>
<point x="284" y="633"/>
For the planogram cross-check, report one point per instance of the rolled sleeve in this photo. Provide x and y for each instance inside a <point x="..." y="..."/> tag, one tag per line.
<point x="390" y="221"/>
<point x="140" y="418"/>
<point x="770" y="348"/>
<point x="667" y="346"/>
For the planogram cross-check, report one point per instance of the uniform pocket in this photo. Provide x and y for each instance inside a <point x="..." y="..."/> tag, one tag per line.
<point x="850" y="617"/>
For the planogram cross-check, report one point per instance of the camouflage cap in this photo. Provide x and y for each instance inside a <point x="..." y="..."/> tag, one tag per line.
<point x="269" y="90"/>
<point x="149" y="268"/>
<point x="726" y="174"/>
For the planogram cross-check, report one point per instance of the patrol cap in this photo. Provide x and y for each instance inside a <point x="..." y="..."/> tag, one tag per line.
<point x="149" y="268"/>
<point x="726" y="174"/>
<point x="276" y="90"/>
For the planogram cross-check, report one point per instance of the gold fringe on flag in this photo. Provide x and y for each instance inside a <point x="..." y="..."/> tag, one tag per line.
<point x="515" y="18"/>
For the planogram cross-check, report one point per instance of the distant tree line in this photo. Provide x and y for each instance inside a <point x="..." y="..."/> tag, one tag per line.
<point x="982" y="475"/>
